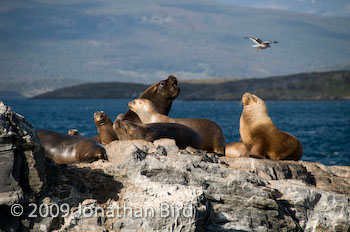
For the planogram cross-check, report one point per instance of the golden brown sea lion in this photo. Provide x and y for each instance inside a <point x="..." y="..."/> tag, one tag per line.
<point x="183" y="135"/>
<point x="67" y="149"/>
<point x="236" y="149"/>
<point x="261" y="136"/>
<point x="211" y="134"/>
<point x="161" y="94"/>
<point x="104" y="125"/>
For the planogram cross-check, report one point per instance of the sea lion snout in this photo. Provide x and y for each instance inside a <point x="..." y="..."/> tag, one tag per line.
<point x="246" y="99"/>
<point x="131" y="104"/>
<point x="172" y="80"/>
<point x="173" y="86"/>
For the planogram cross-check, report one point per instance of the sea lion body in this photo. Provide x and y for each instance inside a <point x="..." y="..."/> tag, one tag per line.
<point x="212" y="137"/>
<point x="182" y="135"/>
<point x="67" y="149"/>
<point x="235" y="150"/>
<point x="161" y="94"/>
<point x="261" y="136"/>
<point x="104" y="126"/>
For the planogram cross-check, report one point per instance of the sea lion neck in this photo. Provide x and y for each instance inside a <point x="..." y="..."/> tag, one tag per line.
<point x="162" y="105"/>
<point x="148" y="117"/>
<point x="256" y="114"/>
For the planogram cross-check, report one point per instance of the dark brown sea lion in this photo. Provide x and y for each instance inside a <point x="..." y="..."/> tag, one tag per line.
<point x="104" y="126"/>
<point x="183" y="135"/>
<point x="212" y="137"/>
<point x="67" y="149"/>
<point x="261" y="136"/>
<point x="236" y="149"/>
<point x="161" y="94"/>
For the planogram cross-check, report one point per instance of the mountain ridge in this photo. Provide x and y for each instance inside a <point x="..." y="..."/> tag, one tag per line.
<point x="129" y="41"/>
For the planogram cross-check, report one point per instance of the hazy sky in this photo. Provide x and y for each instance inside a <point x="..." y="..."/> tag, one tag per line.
<point x="331" y="8"/>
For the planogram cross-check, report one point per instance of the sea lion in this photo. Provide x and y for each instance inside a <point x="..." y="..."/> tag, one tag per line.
<point x="73" y="132"/>
<point x="183" y="135"/>
<point x="161" y="94"/>
<point x="104" y="126"/>
<point x="212" y="137"/>
<point x="261" y="136"/>
<point x="67" y="149"/>
<point x="235" y="149"/>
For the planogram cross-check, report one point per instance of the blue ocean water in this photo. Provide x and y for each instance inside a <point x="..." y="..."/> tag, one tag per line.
<point x="323" y="127"/>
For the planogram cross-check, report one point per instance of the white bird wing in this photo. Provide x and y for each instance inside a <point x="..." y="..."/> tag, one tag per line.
<point x="255" y="40"/>
<point x="270" y="42"/>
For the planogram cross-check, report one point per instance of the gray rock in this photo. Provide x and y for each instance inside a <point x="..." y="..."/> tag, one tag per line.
<point x="22" y="165"/>
<point x="21" y="149"/>
<point x="158" y="187"/>
<point x="226" y="194"/>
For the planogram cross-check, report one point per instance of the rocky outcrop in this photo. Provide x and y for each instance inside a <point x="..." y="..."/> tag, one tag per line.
<point x="22" y="164"/>
<point x="158" y="187"/>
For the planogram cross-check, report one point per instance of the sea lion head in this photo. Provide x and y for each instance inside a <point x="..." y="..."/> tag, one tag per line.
<point x="143" y="106"/>
<point x="124" y="129"/>
<point x="100" y="153"/>
<point x="254" y="110"/>
<point x="161" y="94"/>
<point x="168" y="88"/>
<point x="249" y="99"/>
<point x="88" y="150"/>
<point x="73" y="132"/>
<point x="164" y="89"/>
<point x="101" y="118"/>
<point x="96" y="151"/>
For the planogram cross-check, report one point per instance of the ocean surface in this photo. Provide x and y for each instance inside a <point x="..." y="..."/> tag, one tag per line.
<point x="323" y="127"/>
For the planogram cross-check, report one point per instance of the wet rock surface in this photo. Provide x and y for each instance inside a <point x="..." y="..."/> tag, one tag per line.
<point x="158" y="187"/>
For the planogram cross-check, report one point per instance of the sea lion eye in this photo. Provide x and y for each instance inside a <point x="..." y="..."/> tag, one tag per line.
<point x="162" y="83"/>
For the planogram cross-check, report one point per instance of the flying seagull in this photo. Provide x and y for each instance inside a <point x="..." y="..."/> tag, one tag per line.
<point x="259" y="43"/>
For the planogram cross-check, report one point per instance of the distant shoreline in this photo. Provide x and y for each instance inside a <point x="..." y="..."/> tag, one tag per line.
<point x="318" y="86"/>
